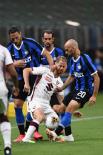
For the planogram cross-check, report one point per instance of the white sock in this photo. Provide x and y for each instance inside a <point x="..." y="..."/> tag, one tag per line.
<point x="5" y="128"/>
<point x="29" y="133"/>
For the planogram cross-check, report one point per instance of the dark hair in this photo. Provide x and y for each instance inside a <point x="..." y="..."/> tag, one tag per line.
<point x="49" y="32"/>
<point x="14" y="29"/>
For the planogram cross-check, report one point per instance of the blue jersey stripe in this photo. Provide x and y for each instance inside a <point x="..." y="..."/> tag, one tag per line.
<point x="82" y="70"/>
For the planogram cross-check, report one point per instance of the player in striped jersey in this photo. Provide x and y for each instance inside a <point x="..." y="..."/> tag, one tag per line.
<point x="25" y="52"/>
<point x="83" y="71"/>
<point x="48" y="38"/>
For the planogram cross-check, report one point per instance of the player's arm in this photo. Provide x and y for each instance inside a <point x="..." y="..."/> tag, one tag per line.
<point x="26" y="74"/>
<point x="95" y="76"/>
<point x="35" y="71"/>
<point x="92" y="100"/>
<point x="48" y="56"/>
<point x="69" y="80"/>
<point x="11" y="69"/>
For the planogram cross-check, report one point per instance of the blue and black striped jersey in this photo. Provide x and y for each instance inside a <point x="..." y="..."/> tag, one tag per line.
<point x="30" y="50"/>
<point x="54" y="53"/>
<point x="83" y="69"/>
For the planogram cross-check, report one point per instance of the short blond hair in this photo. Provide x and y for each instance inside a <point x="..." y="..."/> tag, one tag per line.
<point x="61" y="58"/>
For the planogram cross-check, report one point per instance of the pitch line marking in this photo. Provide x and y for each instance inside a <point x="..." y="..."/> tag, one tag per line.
<point x="79" y="119"/>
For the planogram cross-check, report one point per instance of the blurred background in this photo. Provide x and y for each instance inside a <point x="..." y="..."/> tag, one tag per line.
<point x="78" y="19"/>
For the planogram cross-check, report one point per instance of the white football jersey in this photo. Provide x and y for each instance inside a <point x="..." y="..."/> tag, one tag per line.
<point x="47" y="84"/>
<point x="5" y="59"/>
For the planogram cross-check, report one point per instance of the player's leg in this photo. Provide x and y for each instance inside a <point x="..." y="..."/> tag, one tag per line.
<point x="37" y="118"/>
<point x="19" y="101"/>
<point x="37" y="135"/>
<point x="5" y="126"/>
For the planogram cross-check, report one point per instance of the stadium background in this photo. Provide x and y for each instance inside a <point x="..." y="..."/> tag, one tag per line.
<point x="33" y="16"/>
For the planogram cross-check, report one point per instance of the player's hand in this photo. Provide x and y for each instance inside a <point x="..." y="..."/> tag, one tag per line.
<point x="92" y="100"/>
<point x="20" y="63"/>
<point x="77" y="114"/>
<point x="27" y="88"/>
<point x="58" y="89"/>
<point x="15" y="91"/>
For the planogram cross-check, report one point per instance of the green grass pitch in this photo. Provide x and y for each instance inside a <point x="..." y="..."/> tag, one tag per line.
<point x="87" y="131"/>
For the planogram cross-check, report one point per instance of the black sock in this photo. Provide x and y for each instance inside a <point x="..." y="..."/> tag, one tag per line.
<point x="7" y="151"/>
<point x="58" y="130"/>
<point x="68" y="130"/>
<point x="27" y="125"/>
<point x="21" y="129"/>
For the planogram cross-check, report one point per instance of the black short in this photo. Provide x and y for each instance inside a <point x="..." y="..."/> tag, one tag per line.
<point x="80" y="96"/>
<point x="54" y="100"/>
<point x="23" y="95"/>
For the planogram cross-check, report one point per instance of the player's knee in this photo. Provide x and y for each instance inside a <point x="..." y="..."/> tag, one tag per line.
<point x="72" y="106"/>
<point x="18" y="103"/>
<point x="3" y="118"/>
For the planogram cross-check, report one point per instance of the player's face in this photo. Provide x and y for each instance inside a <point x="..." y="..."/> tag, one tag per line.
<point x="48" y="40"/>
<point x="69" y="49"/>
<point x="61" y="67"/>
<point x="16" y="38"/>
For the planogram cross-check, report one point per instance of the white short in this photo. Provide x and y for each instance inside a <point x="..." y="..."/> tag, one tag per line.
<point x="44" y="105"/>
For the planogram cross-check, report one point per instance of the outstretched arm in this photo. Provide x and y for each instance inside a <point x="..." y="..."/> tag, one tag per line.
<point x="69" y="80"/>
<point x="48" y="56"/>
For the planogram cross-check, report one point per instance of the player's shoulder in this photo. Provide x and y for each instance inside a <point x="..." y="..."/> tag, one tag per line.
<point x="29" y="40"/>
<point x="3" y="48"/>
<point x="59" y="49"/>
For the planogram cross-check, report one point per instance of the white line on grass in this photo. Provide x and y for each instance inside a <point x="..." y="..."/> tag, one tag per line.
<point x="79" y="119"/>
<point x="87" y="118"/>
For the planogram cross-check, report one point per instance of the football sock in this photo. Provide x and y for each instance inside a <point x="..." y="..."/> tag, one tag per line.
<point x="66" y="119"/>
<point x="33" y="126"/>
<point x="59" y="129"/>
<point x="5" y="128"/>
<point x="20" y="120"/>
<point x="68" y="130"/>
<point x="28" y="120"/>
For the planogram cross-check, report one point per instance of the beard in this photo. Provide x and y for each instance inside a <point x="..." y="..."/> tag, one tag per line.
<point x="47" y="45"/>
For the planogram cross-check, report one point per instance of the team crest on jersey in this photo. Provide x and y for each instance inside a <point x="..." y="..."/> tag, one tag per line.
<point x="79" y="66"/>
<point x="26" y="52"/>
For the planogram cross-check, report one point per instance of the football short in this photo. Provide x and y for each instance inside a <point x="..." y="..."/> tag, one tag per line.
<point x="42" y="104"/>
<point x="54" y="100"/>
<point x="80" y="96"/>
<point x="23" y="95"/>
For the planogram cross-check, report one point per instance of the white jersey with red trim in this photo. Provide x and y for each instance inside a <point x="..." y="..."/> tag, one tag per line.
<point x="46" y="86"/>
<point x="5" y="59"/>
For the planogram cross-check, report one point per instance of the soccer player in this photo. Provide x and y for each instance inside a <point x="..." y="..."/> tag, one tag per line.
<point x="48" y="38"/>
<point x="6" y="64"/>
<point x="25" y="52"/>
<point x="39" y="101"/>
<point x="84" y="72"/>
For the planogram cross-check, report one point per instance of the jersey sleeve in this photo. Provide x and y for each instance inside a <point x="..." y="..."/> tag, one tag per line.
<point x="90" y="64"/>
<point x="36" y="46"/>
<point x="8" y="59"/>
<point x="39" y="70"/>
<point x="60" y="84"/>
